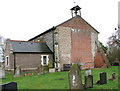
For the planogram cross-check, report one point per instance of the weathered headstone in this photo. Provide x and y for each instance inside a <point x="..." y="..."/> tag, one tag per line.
<point x="75" y="80"/>
<point x="2" y="71"/>
<point x="89" y="81"/>
<point x="87" y="72"/>
<point x="103" y="78"/>
<point x="17" y="71"/>
<point x="11" y="86"/>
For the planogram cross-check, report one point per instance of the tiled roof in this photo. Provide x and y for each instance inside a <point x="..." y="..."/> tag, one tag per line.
<point x="29" y="47"/>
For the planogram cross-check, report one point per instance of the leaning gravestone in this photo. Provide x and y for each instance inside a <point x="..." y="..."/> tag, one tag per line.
<point x="103" y="78"/>
<point x="75" y="80"/>
<point x="17" y="71"/>
<point x="89" y="81"/>
<point x="2" y="71"/>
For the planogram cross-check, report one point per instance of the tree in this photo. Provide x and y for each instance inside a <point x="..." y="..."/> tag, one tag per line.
<point x="113" y="52"/>
<point x="2" y="48"/>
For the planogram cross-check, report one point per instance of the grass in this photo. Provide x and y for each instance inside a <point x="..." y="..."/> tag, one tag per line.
<point x="52" y="80"/>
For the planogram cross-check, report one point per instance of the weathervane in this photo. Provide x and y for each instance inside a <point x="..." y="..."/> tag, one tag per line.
<point x="75" y="3"/>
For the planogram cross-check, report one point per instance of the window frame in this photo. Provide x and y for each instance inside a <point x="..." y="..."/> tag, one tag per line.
<point x="42" y="60"/>
<point x="7" y="61"/>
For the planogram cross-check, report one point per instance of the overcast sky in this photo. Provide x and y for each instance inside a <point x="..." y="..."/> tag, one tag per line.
<point x="24" y="19"/>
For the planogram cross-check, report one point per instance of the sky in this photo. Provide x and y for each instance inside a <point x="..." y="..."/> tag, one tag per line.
<point x="24" y="19"/>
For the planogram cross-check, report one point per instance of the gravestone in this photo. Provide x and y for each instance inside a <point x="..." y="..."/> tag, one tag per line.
<point x="75" y="80"/>
<point x="17" y="71"/>
<point x="103" y="78"/>
<point x="11" y="86"/>
<point x="89" y="81"/>
<point x="87" y="72"/>
<point x="2" y="71"/>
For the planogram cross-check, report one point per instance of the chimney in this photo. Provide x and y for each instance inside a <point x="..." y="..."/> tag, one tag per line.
<point x="76" y="11"/>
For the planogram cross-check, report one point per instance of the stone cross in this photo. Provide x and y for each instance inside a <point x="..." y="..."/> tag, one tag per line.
<point x="2" y="71"/>
<point x="17" y="71"/>
<point x="75" y="80"/>
<point x="89" y="81"/>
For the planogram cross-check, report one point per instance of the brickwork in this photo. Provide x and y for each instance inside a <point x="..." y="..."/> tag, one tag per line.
<point x="78" y="23"/>
<point x="99" y="62"/>
<point x="81" y="47"/>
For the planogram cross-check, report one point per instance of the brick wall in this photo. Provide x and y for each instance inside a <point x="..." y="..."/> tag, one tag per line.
<point x="99" y="62"/>
<point x="81" y="47"/>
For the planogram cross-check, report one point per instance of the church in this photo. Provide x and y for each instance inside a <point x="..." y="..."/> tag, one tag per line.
<point x="73" y="41"/>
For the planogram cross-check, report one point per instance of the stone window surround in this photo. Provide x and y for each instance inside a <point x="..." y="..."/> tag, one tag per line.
<point x="47" y="61"/>
<point x="7" y="61"/>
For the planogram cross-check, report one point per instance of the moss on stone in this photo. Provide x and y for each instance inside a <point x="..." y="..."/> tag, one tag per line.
<point x="56" y="43"/>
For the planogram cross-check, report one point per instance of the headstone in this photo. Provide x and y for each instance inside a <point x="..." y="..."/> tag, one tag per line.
<point x="75" y="80"/>
<point x="89" y="81"/>
<point x="2" y="71"/>
<point x="103" y="78"/>
<point x="17" y="71"/>
<point x="51" y="70"/>
<point x="87" y="72"/>
<point x="12" y="86"/>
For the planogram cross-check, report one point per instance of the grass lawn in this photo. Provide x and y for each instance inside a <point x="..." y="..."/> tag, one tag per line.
<point x="52" y="80"/>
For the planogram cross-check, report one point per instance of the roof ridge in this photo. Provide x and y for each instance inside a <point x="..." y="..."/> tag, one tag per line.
<point x="28" y="41"/>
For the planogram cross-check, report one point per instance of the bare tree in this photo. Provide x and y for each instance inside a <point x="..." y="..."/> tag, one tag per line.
<point x="2" y="48"/>
<point x="114" y="47"/>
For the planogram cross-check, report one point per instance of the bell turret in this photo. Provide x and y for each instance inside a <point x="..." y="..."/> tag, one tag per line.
<point x="76" y="11"/>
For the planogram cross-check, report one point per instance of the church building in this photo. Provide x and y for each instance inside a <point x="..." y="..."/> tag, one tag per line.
<point x="73" y="41"/>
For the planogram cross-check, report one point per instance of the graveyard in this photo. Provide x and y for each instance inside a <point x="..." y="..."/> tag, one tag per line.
<point x="59" y="80"/>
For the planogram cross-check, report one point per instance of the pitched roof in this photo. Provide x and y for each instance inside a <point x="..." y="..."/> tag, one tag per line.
<point x="76" y="22"/>
<point x="51" y="29"/>
<point x="29" y="47"/>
